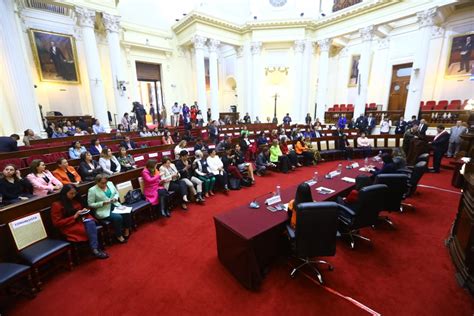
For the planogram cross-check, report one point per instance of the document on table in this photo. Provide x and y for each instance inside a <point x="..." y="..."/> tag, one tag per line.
<point x="323" y="190"/>
<point x="350" y="180"/>
<point x="122" y="210"/>
<point x="368" y="169"/>
<point x="311" y="182"/>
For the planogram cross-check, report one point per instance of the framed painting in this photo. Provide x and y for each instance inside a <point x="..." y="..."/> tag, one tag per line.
<point x="354" y="71"/>
<point x="461" y="56"/>
<point x="55" y="56"/>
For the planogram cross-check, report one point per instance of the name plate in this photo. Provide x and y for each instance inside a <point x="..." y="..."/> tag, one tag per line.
<point x="273" y="200"/>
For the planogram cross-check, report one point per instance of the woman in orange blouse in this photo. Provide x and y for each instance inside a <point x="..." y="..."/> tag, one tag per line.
<point x="303" y="195"/>
<point x="65" y="173"/>
<point x="302" y="149"/>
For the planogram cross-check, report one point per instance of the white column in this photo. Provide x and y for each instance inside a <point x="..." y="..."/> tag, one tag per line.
<point x="305" y="80"/>
<point x="367" y="34"/>
<point x="112" y="25"/>
<point x="15" y="75"/>
<point x="298" y="49"/>
<point x="256" y="107"/>
<point x="239" y="74"/>
<point x="213" y="47"/>
<point x="86" y="19"/>
<point x="248" y="81"/>
<point x="426" y="20"/>
<point x="321" y="98"/>
<point x="199" y="44"/>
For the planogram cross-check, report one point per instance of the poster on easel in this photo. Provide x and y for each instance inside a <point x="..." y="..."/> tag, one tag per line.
<point x="27" y="230"/>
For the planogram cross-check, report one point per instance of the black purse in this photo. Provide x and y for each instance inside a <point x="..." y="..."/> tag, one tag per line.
<point x="133" y="196"/>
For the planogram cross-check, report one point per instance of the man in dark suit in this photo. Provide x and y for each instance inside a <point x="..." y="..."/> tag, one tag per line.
<point x="412" y="122"/>
<point x="58" y="59"/>
<point x="423" y="127"/>
<point x="370" y="124"/>
<point x="9" y="144"/>
<point x="127" y="143"/>
<point x="400" y="126"/>
<point x="361" y="123"/>
<point x="440" y="145"/>
<point x="213" y="132"/>
<point x="465" y="53"/>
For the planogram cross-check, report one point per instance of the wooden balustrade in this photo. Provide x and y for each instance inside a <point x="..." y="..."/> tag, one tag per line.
<point x="445" y="117"/>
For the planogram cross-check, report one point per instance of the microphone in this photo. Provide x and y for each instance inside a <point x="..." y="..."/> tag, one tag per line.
<point x="254" y="203"/>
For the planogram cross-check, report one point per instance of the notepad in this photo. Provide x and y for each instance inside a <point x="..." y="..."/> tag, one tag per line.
<point x="323" y="190"/>
<point x="350" y="180"/>
<point x="311" y="182"/>
<point x="122" y="210"/>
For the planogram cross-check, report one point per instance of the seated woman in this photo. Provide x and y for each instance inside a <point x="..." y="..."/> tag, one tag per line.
<point x="302" y="149"/>
<point x="388" y="166"/>
<point x="153" y="188"/>
<point x="68" y="216"/>
<point x="58" y="133"/>
<point x="316" y="154"/>
<point x="274" y="135"/>
<point x="261" y="140"/>
<point x="167" y="139"/>
<point x="103" y="198"/>
<point x="399" y="158"/>
<point x="108" y="162"/>
<point x="180" y="147"/>
<point x="125" y="160"/>
<point x="241" y="164"/>
<point x="277" y="157"/>
<point x="65" y="173"/>
<point x="170" y="177"/>
<point x="145" y="132"/>
<point x="352" y="198"/>
<point x="364" y="143"/>
<point x="42" y="180"/>
<point x="76" y="150"/>
<point x="291" y="154"/>
<point x="303" y="195"/>
<point x="244" y="131"/>
<point x="13" y="188"/>
<point x="29" y="135"/>
<point x="228" y="160"/>
<point x="184" y="167"/>
<point x="95" y="148"/>
<point x="216" y="167"/>
<point x="88" y="167"/>
<point x="202" y="173"/>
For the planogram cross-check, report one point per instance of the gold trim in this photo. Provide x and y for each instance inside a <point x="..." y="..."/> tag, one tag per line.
<point x="449" y="56"/>
<point x="37" y="60"/>
<point x="349" y="85"/>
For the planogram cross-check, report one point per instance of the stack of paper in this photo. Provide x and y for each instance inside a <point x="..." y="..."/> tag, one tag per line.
<point x="350" y="180"/>
<point x="323" y="190"/>
<point x="122" y="210"/>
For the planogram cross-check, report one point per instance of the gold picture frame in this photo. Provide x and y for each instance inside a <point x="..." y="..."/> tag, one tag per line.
<point x="461" y="56"/>
<point x="354" y="71"/>
<point x="55" y="56"/>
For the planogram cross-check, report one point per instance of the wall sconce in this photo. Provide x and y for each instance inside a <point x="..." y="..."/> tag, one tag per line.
<point x="274" y="68"/>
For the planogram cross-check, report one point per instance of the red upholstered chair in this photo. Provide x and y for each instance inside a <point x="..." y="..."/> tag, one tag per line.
<point x="350" y="107"/>
<point x="155" y="142"/>
<point x="441" y="105"/>
<point x="33" y="157"/>
<point x="429" y="106"/>
<point x="15" y="161"/>
<point x="373" y="106"/>
<point x="342" y="108"/>
<point x="454" y="105"/>
<point x="336" y="107"/>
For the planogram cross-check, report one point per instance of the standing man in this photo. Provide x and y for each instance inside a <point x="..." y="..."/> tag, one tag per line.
<point x="176" y="112"/>
<point x="412" y="122"/>
<point x="152" y="113"/>
<point x="140" y="113"/>
<point x="465" y="55"/>
<point x="341" y="123"/>
<point x="9" y="144"/>
<point x="126" y="122"/>
<point x="247" y="118"/>
<point x="163" y="116"/>
<point x="287" y="119"/>
<point x="308" y="119"/>
<point x="400" y="126"/>
<point x="440" y="146"/>
<point x="186" y="115"/>
<point x="370" y="124"/>
<point x="213" y="132"/>
<point x="361" y="123"/>
<point x="209" y="114"/>
<point x="423" y="127"/>
<point x="58" y="59"/>
<point x="455" y="138"/>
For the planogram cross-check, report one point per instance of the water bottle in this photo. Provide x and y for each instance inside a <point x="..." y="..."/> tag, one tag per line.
<point x="366" y="162"/>
<point x="277" y="192"/>
<point x="339" y="168"/>
<point x="315" y="177"/>
<point x="380" y="154"/>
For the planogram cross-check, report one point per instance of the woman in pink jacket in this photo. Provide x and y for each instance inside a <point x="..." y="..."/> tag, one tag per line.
<point x="42" y="180"/>
<point x="154" y="192"/>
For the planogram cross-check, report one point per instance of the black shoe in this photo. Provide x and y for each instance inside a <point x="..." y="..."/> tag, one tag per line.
<point x="99" y="254"/>
<point x="168" y="214"/>
<point x="163" y="213"/>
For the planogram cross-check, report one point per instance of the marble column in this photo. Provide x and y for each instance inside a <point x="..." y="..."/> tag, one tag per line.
<point x="213" y="47"/>
<point x="256" y="107"/>
<point x="426" y="21"/>
<point x="305" y="80"/>
<point x="298" y="50"/>
<point x="86" y="19"/>
<point x="17" y="83"/>
<point x="321" y="98"/>
<point x="248" y="80"/>
<point x="366" y="33"/>
<point x="239" y="74"/>
<point x="112" y="25"/>
<point x="199" y="45"/>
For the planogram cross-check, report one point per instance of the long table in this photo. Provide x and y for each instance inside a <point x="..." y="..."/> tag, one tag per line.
<point x="249" y="240"/>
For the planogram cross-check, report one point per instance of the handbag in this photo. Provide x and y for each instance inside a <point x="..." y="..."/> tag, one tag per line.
<point x="246" y="182"/>
<point x="133" y="196"/>
<point x="234" y="184"/>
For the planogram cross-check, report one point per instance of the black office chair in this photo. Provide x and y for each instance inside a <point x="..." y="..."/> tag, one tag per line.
<point x="397" y="189"/>
<point x="365" y="213"/>
<point x="418" y="171"/>
<point x="315" y="234"/>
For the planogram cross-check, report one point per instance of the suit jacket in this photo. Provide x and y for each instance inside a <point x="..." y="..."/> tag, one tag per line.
<point x="40" y="186"/>
<point x="387" y="168"/>
<point x="96" y="198"/>
<point x="423" y="129"/>
<point x="361" y="123"/>
<point x="87" y="173"/>
<point x="400" y="127"/>
<point x="456" y="133"/>
<point x="342" y="141"/>
<point x="132" y="145"/>
<point x="61" y="175"/>
<point x="371" y="123"/>
<point x="441" y="142"/>
<point x="8" y="144"/>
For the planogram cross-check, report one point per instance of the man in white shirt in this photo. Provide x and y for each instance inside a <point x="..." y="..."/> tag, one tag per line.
<point x="97" y="128"/>
<point x="176" y="109"/>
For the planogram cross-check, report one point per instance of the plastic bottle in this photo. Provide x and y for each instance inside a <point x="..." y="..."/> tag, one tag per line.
<point x="315" y="177"/>
<point x="277" y="192"/>
<point x="339" y="167"/>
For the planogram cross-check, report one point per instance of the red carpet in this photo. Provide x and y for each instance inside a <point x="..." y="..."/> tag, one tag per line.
<point x="170" y="267"/>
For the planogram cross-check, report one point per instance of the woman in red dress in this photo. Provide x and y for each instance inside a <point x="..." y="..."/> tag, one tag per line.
<point x="73" y="220"/>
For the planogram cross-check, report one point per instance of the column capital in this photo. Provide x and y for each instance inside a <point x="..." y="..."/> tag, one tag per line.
<point x="299" y="46"/>
<point x="427" y="18"/>
<point x="240" y="51"/>
<point x="256" y="48"/>
<point x="111" y="22"/>
<point x="324" y="44"/>
<point x="384" y="43"/>
<point x="199" y="41"/>
<point x="367" y="33"/>
<point x="86" y="17"/>
<point x="213" y="45"/>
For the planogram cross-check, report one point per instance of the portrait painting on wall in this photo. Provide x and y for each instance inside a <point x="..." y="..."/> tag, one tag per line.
<point x="354" y="71"/>
<point x="55" y="56"/>
<point x="461" y="56"/>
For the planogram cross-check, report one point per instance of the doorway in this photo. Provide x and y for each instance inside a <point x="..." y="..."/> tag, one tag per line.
<point x="399" y="87"/>
<point x="150" y="90"/>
